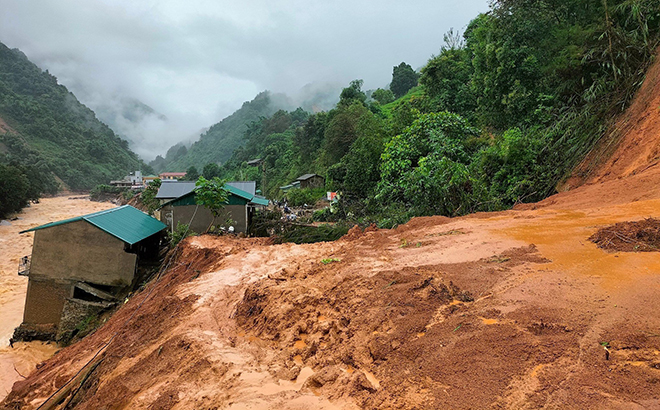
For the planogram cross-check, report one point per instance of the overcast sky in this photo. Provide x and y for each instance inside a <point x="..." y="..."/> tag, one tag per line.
<point x="197" y="61"/>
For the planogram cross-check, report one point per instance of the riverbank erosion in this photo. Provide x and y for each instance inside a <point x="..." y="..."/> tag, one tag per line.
<point x="22" y="358"/>
<point x="515" y="309"/>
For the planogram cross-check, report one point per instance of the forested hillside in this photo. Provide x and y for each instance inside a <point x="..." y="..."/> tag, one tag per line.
<point x="501" y="115"/>
<point x="217" y="144"/>
<point x="48" y="134"/>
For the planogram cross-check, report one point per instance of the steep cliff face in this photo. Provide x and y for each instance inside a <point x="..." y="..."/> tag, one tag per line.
<point x="632" y="145"/>
<point x="638" y="132"/>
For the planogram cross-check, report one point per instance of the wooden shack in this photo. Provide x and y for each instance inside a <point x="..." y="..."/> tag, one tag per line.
<point x="83" y="262"/>
<point x="311" y="181"/>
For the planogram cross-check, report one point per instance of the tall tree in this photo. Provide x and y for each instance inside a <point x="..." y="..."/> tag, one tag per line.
<point x="192" y="174"/>
<point x="212" y="194"/>
<point x="211" y="170"/>
<point x="352" y="93"/>
<point x="403" y="79"/>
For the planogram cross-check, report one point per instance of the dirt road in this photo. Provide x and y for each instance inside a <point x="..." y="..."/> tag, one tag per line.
<point x="13" y="246"/>
<point x="506" y="310"/>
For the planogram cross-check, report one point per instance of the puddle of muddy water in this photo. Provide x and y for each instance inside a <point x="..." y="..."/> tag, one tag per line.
<point x="562" y="237"/>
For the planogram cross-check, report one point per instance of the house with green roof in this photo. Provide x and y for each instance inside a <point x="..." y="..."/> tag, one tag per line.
<point x="237" y="213"/>
<point x="84" y="264"/>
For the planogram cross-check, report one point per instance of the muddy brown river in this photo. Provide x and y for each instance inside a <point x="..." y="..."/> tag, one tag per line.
<point x="20" y="360"/>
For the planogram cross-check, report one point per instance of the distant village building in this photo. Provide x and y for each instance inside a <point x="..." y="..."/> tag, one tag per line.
<point x="82" y="265"/>
<point x="242" y="203"/>
<point x="146" y="180"/>
<point x="311" y="181"/>
<point x="171" y="176"/>
<point x="132" y="180"/>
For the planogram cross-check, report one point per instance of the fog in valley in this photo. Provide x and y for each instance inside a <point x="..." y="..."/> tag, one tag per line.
<point x="159" y="72"/>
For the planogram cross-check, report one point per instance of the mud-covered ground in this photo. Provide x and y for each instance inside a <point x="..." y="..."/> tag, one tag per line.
<point x="515" y="309"/>
<point x="511" y="310"/>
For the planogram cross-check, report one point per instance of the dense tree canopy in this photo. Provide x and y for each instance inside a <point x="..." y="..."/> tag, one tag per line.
<point x="501" y="114"/>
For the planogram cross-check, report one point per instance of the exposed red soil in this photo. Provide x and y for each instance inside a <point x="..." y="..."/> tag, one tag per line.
<point x="390" y="326"/>
<point x="632" y="144"/>
<point x="505" y="310"/>
<point x="508" y="310"/>
<point x="4" y="127"/>
<point x="639" y="236"/>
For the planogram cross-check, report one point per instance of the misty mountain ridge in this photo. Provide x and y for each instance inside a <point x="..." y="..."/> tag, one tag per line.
<point x="47" y="125"/>
<point x="217" y="144"/>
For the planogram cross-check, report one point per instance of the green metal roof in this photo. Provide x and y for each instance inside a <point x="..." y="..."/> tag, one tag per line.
<point x="238" y="192"/>
<point x="260" y="200"/>
<point x="236" y="197"/>
<point x="125" y="223"/>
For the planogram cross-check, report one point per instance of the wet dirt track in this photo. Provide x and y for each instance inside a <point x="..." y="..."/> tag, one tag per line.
<point x="505" y="310"/>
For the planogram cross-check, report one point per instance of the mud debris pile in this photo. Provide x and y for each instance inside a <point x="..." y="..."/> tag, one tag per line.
<point x="637" y="236"/>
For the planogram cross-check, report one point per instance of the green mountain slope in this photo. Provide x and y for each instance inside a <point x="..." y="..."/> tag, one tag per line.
<point x="219" y="142"/>
<point x="44" y="116"/>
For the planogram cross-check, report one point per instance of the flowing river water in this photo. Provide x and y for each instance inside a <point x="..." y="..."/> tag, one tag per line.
<point x="20" y="360"/>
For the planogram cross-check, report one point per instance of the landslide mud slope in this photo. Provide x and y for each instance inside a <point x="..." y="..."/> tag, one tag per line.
<point x="632" y="144"/>
<point x="508" y="310"/>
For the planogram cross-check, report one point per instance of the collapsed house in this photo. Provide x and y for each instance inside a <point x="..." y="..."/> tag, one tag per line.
<point x="81" y="266"/>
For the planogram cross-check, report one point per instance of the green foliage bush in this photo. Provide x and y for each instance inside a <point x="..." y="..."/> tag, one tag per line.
<point x="148" y="196"/>
<point x="403" y="79"/>
<point x="211" y="194"/>
<point x="312" y="234"/>
<point x="181" y="232"/>
<point x="383" y="96"/>
<point x="501" y="115"/>
<point x="14" y="190"/>
<point x="309" y="196"/>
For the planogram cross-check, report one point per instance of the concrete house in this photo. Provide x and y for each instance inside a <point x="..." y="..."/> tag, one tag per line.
<point x="132" y="180"/>
<point x="239" y="209"/>
<point x="311" y="181"/>
<point x="82" y="265"/>
<point x="170" y="190"/>
<point x="171" y="176"/>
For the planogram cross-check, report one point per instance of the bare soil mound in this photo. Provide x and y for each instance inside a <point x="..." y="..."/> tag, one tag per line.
<point x="394" y="339"/>
<point x="4" y="127"/>
<point x="639" y="236"/>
